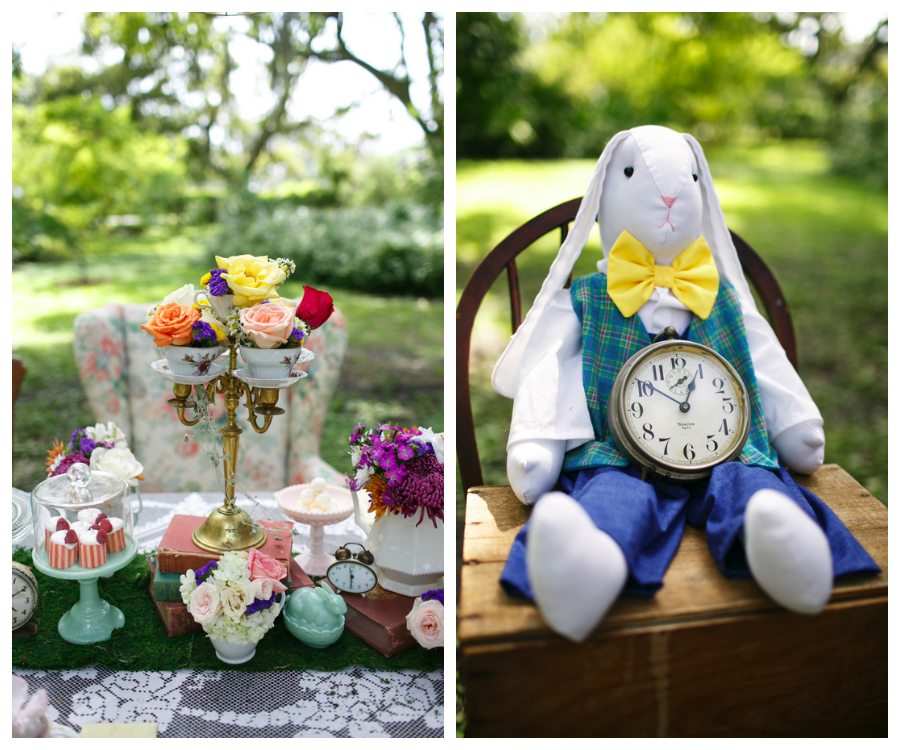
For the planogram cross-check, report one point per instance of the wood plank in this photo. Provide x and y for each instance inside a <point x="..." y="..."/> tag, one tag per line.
<point x="693" y="586"/>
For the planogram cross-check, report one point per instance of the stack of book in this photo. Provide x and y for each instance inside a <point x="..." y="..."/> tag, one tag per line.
<point x="178" y="554"/>
<point x="379" y="618"/>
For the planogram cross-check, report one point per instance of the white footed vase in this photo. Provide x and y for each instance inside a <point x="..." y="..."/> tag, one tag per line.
<point x="234" y="653"/>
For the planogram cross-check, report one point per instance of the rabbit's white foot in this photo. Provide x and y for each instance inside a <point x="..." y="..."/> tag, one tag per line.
<point x="533" y="467"/>
<point x="576" y="570"/>
<point x="788" y="553"/>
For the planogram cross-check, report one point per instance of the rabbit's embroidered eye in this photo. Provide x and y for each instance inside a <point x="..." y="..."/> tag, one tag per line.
<point x="694" y="176"/>
<point x="629" y="171"/>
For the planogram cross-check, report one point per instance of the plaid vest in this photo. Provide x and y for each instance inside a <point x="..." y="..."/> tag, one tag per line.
<point x="608" y="339"/>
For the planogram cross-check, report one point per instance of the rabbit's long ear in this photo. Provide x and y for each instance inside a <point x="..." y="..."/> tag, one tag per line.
<point x="715" y="230"/>
<point x="508" y="371"/>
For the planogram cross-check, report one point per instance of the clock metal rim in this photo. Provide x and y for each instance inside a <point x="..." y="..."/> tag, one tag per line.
<point x="635" y="452"/>
<point x="351" y="561"/>
<point x="29" y="577"/>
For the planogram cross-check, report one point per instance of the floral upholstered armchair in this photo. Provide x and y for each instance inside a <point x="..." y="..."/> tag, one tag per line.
<point x="114" y="356"/>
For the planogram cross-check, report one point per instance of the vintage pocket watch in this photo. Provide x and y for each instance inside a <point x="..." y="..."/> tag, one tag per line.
<point x="677" y="409"/>
<point x="24" y="595"/>
<point x="352" y="573"/>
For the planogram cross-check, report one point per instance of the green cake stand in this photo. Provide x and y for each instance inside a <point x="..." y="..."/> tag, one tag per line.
<point x="91" y="620"/>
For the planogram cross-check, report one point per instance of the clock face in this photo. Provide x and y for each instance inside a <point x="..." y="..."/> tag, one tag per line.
<point x="24" y="598"/>
<point x="679" y="409"/>
<point x="351" y="576"/>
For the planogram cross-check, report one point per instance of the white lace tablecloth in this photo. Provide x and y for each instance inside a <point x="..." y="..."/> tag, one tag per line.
<point x="355" y="702"/>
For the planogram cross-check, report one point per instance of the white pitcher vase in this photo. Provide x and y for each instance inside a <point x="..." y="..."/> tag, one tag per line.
<point x="409" y="558"/>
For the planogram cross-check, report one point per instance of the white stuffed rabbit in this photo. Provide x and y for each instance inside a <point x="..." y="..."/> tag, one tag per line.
<point x="655" y="185"/>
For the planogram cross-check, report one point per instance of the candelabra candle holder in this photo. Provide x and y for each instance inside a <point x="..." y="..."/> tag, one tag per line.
<point x="230" y="528"/>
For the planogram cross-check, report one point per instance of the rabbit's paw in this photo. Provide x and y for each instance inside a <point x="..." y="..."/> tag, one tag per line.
<point x="533" y="467"/>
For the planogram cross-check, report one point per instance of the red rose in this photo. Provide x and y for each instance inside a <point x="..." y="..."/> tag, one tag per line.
<point x="315" y="307"/>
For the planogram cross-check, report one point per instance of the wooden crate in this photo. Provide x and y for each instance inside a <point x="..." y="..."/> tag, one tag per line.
<point x="706" y="656"/>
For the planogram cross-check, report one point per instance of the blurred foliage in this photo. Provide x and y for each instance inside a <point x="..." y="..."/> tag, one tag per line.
<point x="145" y="129"/>
<point x="74" y="164"/>
<point x="535" y="86"/>
<point x="392" y="249"/>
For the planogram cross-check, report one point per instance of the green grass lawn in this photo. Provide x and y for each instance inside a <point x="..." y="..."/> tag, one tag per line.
<point x="393" y="371"/>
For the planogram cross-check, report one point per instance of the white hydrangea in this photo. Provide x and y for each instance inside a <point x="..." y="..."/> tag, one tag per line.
<point x="233" y="572"/>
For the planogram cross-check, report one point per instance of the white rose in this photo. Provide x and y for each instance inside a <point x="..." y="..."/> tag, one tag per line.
<point x="183" y="296"/>
<point x="436" y="440"/>
<point x="209" y="316"/>
<point x="236" y="598"/>
<point x="119" y="461"/>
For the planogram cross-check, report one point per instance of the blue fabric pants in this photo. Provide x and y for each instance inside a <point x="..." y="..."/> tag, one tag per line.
<point x="646" y="519"/>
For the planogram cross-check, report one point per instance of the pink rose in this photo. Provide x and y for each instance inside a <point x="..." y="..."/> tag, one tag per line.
<point x="204" y="604"/>
<point x="268" y="324"/>
<point x="263" y="566"/>
<point x="426" y="623"/>
<point x="264" y="587"/>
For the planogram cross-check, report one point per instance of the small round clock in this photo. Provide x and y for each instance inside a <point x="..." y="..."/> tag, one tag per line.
<point x="677" y="409"/>
<point x="352" y="573"/>
<point x="24" y="595"/>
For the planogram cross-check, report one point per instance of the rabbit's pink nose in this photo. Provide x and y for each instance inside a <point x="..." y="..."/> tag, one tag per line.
<point x="668" y="201"/>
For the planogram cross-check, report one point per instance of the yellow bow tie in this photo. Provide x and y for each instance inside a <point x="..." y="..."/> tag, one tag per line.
<point x="632" y="275"/>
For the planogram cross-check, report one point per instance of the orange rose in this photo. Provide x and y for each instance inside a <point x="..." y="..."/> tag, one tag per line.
<point x="172" y="324"/>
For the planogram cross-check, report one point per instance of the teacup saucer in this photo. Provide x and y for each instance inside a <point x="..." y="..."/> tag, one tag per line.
<point x="270" y="383"/>
<point x="212" y="373"/>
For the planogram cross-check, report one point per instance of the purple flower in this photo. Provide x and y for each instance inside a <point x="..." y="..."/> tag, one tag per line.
<point x="203" y="334"/>
<point x="297" y="336"/>
<point x="437" y="594"/>
<point x="257" y="604"/>
<point x="201" y="574"/>
<point x="217" y="286"/>
<point x="422" y="491"/>
<point x="357" y="432"/>
<point x="73" y="458"/>
<point x="73" y="443"/>
<point x="87" y="446"/>
<point x="405" y="452"/>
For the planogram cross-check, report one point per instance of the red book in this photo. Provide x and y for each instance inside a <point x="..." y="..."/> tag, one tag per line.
<point x="178" y="553"/>
<point x="379" y="618"/>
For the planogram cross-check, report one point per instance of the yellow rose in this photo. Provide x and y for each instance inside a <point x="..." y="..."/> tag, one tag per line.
<point x="251" y="278"/>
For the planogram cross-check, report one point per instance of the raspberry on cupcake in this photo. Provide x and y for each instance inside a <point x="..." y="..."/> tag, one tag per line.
<point x="91" y="516"/>
<point x="62" y="549"/>
<point x="115" y="533"/>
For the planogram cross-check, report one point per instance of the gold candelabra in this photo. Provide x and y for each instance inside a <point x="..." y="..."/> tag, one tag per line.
<point x="228" y="527"/>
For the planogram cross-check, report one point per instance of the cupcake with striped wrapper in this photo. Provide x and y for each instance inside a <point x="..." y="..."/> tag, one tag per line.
<point x="62" y="549"/>
<point x="51" y="526"/>
<point x="92" y="548"/>
<point x="91" y="516"/>
<point x="115" y="533"/>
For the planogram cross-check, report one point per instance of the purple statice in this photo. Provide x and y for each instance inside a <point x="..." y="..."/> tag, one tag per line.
<point x="73" y="458"/>
<point x="257" y="604"/>
<point x="203" y="334"/>
<point x="436" y="594"/>
<point x="201" y="573"/>
<point x="217" y="286"/>
<point x="81" y="442"/>
<point x="297" y="336"/>
<point x="422" y="490"/>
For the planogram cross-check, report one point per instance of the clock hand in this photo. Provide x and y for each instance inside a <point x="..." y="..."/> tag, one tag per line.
<point x="686" y="407"/>
<point x="653" y="389"/>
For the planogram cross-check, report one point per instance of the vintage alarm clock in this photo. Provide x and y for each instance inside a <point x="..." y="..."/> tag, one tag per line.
<point x="352" y="573"/>
<point x="677" y="409"/>
<point x="24" y="595"/>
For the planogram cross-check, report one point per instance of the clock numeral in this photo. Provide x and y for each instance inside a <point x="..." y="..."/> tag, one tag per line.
<point x="720" y="384"/>
<point x="648" y="431"/>
<point x="689" y="452"/>
<point x="700" y="371"/>
<point x="645" y="388"/>
<point x="724" y="428"/>
<point x="637" y="410"/>
<point x="715" y="445"/>
<point x="666" y="446"/>
<point x="727" y="407"/>
<point x="678" y="362"/>
<point x="658" y="372"/>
